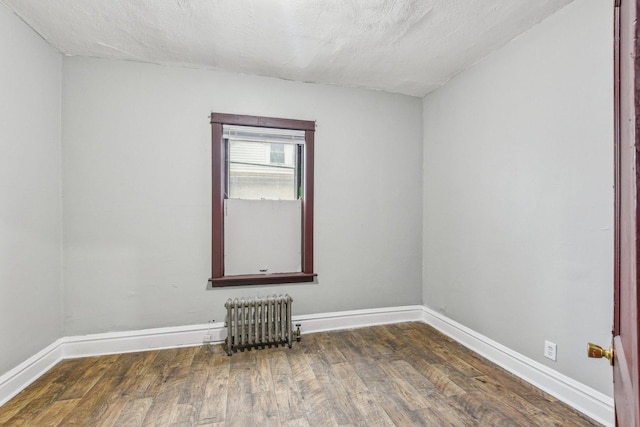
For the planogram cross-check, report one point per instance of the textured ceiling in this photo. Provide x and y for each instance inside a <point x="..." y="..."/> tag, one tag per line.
<point x="405" y="46"/>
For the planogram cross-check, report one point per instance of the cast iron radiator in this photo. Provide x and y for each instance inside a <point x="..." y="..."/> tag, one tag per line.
<point x="257" y="322"/>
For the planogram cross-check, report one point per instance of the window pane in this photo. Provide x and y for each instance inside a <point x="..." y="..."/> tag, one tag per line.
<point x="260" y="170"/>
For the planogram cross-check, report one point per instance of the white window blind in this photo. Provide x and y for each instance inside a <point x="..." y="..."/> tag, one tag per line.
<point x="265" y="135"/>
<point x="262" y="236"/>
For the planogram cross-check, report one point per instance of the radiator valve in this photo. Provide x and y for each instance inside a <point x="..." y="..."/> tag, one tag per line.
<point x="298" y="337"/>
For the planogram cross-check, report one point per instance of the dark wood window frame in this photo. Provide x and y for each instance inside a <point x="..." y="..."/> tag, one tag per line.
<point x="218" y="279"/>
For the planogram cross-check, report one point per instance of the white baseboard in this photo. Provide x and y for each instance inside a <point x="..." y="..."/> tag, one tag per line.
<point x="141" y="340"/>
<point x="358" y="318"/>
<point x="14" y="381"/>
<point x="587" y="400"/>
<point x="192" y="335"/>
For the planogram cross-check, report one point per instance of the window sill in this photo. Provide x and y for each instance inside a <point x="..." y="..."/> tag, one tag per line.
<point x="261" y="279"/>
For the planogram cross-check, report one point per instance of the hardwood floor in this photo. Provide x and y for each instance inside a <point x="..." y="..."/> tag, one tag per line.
<point x="403" y="374"/>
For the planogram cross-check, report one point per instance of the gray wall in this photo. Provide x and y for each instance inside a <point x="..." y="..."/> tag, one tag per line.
<point x="30" y="235"/>
<point x="137" y="186"/>
<point x="518" y="193"/>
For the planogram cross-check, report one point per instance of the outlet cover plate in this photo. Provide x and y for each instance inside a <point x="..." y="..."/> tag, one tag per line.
<point x="550" y="350"/>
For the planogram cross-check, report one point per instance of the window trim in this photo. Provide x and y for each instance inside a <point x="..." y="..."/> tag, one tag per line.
<point x="218" y="167"/>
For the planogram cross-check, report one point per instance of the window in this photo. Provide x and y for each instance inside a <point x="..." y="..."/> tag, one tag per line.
<point x="276" y="154"/>
<point x="262" y="207"/>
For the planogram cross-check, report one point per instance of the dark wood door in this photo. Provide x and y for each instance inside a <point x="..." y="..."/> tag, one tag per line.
<point x="626" y="369"/>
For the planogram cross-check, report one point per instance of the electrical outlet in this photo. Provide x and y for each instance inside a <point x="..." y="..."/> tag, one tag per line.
<point x="550" y="349"/>
<point x="207" y="339"/>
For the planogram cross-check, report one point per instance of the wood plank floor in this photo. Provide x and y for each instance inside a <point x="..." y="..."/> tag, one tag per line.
<point x="404" y="374"/>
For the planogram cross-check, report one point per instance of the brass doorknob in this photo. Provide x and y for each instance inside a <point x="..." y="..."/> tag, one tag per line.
<point x="598" y="352"/>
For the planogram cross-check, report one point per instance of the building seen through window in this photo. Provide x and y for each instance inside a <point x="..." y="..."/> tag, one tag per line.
<point x="259" y="169"/>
